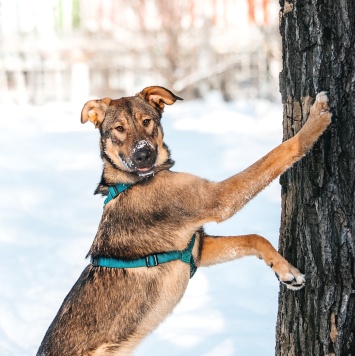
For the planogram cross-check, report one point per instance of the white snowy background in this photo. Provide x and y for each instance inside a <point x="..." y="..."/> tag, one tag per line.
<point x="50" y="166"/>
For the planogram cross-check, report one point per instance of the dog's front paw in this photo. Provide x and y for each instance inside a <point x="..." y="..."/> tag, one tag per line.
<point x="318" y="120"/>
<point x="319" y="114"/>
<point x="293" y="281"/>
<point x="290" y="276"/>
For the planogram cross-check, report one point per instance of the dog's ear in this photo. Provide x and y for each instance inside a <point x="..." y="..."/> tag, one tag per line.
<point x="94" y="111"/>
<point x="158" y="97"/>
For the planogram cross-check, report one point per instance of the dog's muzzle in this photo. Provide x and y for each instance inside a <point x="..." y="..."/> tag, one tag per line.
<point x="144" y="157"/>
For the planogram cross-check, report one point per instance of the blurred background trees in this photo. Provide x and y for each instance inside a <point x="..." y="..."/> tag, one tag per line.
<point x="73" y="49"/>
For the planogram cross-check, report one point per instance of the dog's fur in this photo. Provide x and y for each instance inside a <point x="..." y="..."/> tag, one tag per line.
<point x="108" y="311"/>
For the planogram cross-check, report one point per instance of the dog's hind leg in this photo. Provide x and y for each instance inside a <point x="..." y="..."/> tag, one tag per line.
<point x="218" y="249"/>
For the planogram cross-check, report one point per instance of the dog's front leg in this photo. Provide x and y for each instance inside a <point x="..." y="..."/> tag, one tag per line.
<point x="217" y="249"/>
<point x="234" y="192"/>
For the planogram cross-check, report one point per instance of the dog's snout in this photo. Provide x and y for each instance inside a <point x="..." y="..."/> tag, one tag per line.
<point x="144" y="157"/>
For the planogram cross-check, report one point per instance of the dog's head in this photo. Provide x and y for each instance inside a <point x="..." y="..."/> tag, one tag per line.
<point x="131" y="141"/>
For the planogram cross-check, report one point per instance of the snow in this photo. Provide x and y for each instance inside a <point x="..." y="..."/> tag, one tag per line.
<point x="50" y="166"/>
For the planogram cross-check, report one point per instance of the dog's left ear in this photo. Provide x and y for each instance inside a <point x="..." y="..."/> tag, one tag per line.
<point x="94" y="111"/>
<point x="158" y="97"/>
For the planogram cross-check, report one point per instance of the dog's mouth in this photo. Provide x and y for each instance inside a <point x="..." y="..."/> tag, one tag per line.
<point x="145" y="171"/>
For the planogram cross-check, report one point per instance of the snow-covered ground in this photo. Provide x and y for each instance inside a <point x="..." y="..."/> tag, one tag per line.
<point x="50" y="166"/>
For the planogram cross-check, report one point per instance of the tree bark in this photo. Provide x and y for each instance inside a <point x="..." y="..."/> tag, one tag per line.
<point x="317" y="232"/>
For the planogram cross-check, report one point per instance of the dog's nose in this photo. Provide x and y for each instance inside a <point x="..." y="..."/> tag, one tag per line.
<point x="144" y="157"/>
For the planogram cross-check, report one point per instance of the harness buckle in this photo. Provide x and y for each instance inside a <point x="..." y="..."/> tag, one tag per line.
<point x="151" y="261"/>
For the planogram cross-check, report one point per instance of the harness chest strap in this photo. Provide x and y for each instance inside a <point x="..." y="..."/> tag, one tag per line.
<point x="150" y="260"/>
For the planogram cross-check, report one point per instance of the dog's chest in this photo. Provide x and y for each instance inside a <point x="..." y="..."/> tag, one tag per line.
<point x="146" y="218"/>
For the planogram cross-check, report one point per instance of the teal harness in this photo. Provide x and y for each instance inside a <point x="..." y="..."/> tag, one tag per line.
<point x="150" y="260"/>
<point x="115" y="190"/>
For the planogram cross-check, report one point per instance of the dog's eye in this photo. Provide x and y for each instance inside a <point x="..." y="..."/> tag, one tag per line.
<point x="119" y="128"/>
<point x="146" y="122"/>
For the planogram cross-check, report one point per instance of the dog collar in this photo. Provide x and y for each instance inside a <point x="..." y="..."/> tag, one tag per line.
<point x="151" y="260"/>
<point x="115" y="190"/>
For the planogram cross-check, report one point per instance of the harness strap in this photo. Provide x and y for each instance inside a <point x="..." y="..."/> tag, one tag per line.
<point x="114" y="190"/>
<point x="150" y="260"/>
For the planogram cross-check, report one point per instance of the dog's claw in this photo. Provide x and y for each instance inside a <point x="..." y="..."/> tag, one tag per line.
<point x="289" y="282"/>
<point x="292" y="278"/>
<point x="296" y="283"/>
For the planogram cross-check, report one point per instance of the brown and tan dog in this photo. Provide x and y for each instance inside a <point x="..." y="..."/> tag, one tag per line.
<point x="109" y="310"/>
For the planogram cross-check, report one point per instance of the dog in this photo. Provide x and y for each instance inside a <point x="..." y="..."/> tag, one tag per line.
<point x="151" y="239"/>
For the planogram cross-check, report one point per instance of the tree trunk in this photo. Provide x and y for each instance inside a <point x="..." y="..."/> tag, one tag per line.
<point x="317" y="232"/>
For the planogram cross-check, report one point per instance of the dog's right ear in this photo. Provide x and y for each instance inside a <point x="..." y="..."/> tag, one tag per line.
<point x="94" y="111"/>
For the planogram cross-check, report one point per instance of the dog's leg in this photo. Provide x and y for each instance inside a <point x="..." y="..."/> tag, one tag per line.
<point x="240" y="188"/>
<point x="222" y="249"/>
<point x="235" y="192"/>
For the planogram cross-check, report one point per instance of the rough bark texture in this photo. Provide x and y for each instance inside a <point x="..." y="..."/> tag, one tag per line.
<point x="317" y="232"/>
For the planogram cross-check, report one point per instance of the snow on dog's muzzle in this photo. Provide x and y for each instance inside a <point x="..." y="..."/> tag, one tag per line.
<point x="144" y="157"/>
